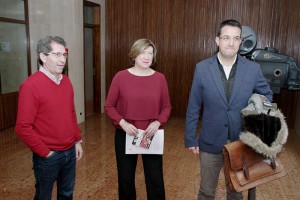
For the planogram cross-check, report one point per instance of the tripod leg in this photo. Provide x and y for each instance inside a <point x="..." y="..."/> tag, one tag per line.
<point x="251" y="194"/>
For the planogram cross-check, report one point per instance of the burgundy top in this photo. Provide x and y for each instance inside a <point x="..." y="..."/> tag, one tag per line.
<point x="138" y="99"/>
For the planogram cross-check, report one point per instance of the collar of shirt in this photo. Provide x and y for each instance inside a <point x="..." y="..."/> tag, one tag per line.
<point x="226" y="69"/>
<point x="55" y="79"/>
<point x="225" y="65"/>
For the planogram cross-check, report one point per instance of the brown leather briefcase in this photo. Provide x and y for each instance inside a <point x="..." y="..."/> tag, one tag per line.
<point x="245" y="169"/>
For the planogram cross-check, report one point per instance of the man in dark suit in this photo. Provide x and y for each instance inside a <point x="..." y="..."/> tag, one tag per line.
<point x="222" y="86"/>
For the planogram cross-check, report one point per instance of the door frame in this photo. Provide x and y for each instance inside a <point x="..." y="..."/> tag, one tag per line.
<point x="96" y="53"/>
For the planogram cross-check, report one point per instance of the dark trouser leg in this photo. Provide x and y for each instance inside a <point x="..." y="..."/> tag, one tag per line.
<point x="66" y="177"/>
<point x="126" y="165"/>
<point x="45" y="171"/>
<point x="210" y="166"/>
<point x="153" y="169"/>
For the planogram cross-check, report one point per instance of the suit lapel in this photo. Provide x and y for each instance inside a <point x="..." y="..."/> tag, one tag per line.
<point x="215" y="73"/>
<point x="239" y="77"/>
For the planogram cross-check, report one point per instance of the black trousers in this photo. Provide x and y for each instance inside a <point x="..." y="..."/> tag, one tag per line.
<point x="126" y="164"/>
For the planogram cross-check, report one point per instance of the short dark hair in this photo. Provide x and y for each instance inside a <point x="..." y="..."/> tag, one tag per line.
<point x="229" y="22"/>
<point x="44" y="46"/>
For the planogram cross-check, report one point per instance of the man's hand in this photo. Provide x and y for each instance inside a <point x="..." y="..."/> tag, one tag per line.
<point x="50" y="154"/>
<point x="79" y="151"/>
<point x="195" y="150"/>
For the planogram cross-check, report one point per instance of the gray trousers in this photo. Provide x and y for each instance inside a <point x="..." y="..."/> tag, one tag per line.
<point x="210" y="167"/>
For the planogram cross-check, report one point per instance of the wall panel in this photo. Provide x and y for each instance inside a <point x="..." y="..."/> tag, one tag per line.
<point x="184" y="32"/>
<point x="8" y="110"/>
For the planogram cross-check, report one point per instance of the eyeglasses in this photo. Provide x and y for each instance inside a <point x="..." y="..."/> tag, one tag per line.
<point x="58" y="54"/>
<point x="226" y="38"/>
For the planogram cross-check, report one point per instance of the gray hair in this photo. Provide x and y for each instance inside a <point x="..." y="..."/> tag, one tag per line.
<point x="44" y="46"/>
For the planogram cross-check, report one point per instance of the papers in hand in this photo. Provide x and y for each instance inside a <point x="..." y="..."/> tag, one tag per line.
<point x="142" y="145"/>
<point x="141" y="140"/>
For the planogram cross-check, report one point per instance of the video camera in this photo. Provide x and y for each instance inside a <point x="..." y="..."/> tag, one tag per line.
<point x="279" y="70"/>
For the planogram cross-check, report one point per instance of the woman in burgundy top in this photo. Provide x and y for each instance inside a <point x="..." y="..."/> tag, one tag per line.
<point x="138" y="98"/>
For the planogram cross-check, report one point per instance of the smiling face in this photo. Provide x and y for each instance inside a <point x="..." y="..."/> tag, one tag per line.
<point x="229" y="41"/>
<point x="145" y="58"/>
<point x="54" y="63"/>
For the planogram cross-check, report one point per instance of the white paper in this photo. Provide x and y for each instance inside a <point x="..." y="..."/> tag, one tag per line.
<point x="156" y="147"/>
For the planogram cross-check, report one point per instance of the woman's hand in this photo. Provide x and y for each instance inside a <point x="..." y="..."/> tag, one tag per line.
<point x="128" y="128"/>
<point x="152" y="128"/>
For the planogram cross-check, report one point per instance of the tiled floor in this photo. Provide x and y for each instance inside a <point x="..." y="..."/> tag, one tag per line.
<point x="96" y="172"/>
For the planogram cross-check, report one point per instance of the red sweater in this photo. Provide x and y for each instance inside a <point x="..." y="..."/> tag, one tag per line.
<point x="46" y="114"/>
<point x="138" y="99"/>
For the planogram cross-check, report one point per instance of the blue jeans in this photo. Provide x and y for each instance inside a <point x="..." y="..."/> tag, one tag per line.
<point x="59" y="167"/>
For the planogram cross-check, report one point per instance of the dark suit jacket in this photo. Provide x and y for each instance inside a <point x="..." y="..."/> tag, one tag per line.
<point x="218" y="114"/>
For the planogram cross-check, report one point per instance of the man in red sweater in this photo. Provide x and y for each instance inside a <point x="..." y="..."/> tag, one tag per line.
<point x="47" y="121"/>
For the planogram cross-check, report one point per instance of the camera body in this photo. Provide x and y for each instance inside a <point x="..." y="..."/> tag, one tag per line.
<point x="279" y="70"/>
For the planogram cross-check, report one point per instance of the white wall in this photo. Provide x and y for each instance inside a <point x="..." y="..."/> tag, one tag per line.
<point x="65" y="19"/>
